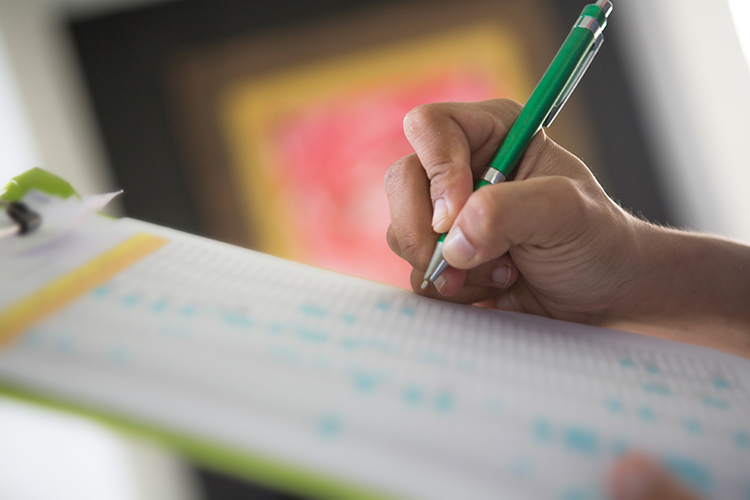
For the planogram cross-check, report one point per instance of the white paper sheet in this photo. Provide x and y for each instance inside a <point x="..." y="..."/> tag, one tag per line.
<point x="58" y="217"/>
<point x="376" y="385"/>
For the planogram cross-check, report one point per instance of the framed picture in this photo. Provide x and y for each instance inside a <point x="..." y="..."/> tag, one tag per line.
<point x="270" y="125"/>
<point x="302" y="145"/>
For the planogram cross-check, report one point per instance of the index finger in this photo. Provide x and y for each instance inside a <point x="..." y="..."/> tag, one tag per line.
<point x="454" y="142"/>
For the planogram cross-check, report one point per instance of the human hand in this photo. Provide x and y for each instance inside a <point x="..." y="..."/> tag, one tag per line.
<point x="638" y="477"/>
<point x="551" y="242"/>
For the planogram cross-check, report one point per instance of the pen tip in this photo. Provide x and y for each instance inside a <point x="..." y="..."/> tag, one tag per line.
<point x="425" y="284"/>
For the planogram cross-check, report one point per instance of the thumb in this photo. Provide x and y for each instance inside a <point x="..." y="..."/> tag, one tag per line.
<point x="543" y="211"/>
<point x="638" y="477"/>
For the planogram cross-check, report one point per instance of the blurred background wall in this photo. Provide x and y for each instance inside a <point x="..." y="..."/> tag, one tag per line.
<point x="124" y="93"/>
<point x="270" y="124"/>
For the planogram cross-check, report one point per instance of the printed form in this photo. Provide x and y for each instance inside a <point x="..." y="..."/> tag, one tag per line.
<point x="363" y="383"/>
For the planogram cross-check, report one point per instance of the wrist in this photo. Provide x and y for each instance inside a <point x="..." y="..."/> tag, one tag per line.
<point x="688" y="287"/>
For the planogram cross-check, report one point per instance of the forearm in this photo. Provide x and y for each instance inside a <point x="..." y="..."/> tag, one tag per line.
<point x="690" y="287"/>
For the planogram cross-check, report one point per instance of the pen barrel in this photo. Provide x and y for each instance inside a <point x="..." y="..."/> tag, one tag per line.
<point x="563" y="68"/>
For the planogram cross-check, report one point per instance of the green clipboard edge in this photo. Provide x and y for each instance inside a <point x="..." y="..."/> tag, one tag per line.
<point x="240" y="463"/>
<point x="38" y="179"/>
<point x="256" y="468"/>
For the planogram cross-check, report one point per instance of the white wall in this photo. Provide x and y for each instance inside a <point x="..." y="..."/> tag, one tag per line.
<point x="51" y="116"/>
<point x="46" y="121"/>
<point x="17" y="150"/>
<point x="55" y="456"/>
<point x="686" y="63"/>
<point x="741" y="13"/>
<point x="693" y="84"/>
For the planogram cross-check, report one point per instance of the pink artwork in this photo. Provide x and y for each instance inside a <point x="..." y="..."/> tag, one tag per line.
<point x="333" y="155"/>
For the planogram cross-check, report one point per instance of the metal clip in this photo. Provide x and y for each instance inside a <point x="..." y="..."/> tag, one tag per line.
<point x="592" y="25"/>
<point x="25" y="220"/>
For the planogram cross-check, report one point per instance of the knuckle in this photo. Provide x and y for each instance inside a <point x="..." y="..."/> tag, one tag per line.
<point x="445" y="175"/>
<point x="404" y="245"/>
<point x="511" y="105"/>
<point x="395" y="174"/>
<point x="421" y="116"/>
<point x="410" y="250"/>
<point x="390" y="237"/>
<point x="506" y="110"/>
<point x="439" y="173"/>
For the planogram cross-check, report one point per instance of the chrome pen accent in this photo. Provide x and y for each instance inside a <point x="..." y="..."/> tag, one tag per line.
<point x="493" y="175"/>
<point x="437" y="266"/>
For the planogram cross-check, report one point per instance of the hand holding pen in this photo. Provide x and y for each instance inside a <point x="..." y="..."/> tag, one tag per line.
<point x="546" y="101"/>
<point x="548" y="98"/>
<point x="551" y="242"/>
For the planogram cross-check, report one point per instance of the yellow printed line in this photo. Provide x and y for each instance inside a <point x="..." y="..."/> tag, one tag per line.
<point x="74" y="284"/>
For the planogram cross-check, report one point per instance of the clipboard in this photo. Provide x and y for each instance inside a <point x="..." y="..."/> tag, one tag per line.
<point x="240" y="463"/>
<point x="26" y="220"/>
<point x="330" y="386"/>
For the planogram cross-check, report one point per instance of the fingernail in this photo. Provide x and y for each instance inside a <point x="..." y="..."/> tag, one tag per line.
<point x="440" y="282"/>
<point x="439" y="215"/>
<point x="457" y="246"/>
<point x="501" y="275"/>
<point x="505" y="303"/>
<point x="637" y="481"/>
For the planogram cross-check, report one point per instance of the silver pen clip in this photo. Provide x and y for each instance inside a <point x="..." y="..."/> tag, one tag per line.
<point x="591" y="24"/>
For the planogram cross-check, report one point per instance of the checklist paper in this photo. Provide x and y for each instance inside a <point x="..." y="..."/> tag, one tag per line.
<point x="403" y="396"/>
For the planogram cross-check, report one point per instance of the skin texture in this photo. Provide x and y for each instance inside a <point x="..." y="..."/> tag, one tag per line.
<point x="638" y="477"/>
<point x="551" y="242"/>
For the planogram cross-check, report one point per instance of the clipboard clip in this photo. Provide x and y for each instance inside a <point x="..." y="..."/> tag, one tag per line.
<point x="591" y="24"/>
<point x="25" y="220"/>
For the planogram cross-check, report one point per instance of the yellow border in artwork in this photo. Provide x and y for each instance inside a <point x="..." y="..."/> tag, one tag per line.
<point x="248" y="110"/>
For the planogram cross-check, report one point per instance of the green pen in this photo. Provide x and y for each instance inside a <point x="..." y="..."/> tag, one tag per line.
<point x="545" y="102"/>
